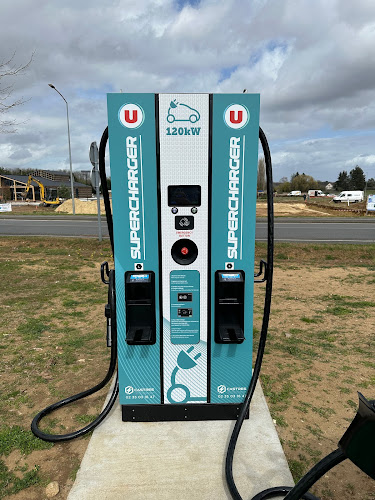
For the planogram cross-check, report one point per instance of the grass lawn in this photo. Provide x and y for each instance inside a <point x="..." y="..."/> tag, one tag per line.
<point x="52" y="331"/>
<point x="320" y="352"/>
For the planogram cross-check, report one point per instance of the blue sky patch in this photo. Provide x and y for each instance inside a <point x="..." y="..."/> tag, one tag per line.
<point x="226" y="73"/>
<point x="271" y="46"/>
<point x="182" y="3"/>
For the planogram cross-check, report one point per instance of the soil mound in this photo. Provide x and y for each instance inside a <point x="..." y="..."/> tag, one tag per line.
<point x="82" y="207"/>
<point x="291" y="209"/>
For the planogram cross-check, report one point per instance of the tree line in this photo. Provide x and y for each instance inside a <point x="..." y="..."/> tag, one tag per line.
<point x="299" y="182"/>
<point x="354" y="180"/>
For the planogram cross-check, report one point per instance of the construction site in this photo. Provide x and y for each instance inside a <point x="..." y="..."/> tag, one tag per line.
<point x="41" y="185"/>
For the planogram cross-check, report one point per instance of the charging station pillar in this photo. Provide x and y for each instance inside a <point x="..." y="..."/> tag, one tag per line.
<point x="184" y="173"/>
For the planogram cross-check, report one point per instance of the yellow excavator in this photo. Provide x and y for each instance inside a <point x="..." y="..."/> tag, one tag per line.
<point x="43" y="199"/>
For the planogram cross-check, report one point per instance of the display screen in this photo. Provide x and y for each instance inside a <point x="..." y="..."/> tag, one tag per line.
<point x="139" y="277"/>
<point x="231" y="277"/>
<point x="184" y="196"/>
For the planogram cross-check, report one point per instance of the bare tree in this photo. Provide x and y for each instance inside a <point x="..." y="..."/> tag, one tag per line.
<point x="261" y="183"/>
<point x="9" y="69"/>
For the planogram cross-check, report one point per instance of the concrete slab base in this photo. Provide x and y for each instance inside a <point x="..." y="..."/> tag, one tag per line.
<point x="180" y="460"/>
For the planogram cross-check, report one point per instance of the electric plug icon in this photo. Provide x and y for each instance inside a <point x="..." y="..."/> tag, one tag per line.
<point x="185" y="361"/>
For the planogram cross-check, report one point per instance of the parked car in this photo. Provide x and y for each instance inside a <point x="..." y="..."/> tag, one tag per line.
<point x="349" y="197"/>
<point x="315" y="193"/>
<point x="295" y="193"/>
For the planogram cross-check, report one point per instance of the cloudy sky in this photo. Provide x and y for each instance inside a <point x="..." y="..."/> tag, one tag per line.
<point x="312" y="61"/>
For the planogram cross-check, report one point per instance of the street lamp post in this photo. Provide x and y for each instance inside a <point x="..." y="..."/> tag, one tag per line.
<point x="70" y="152"/>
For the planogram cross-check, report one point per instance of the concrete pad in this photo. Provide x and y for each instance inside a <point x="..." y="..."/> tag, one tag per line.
<point x="180" y="460"/>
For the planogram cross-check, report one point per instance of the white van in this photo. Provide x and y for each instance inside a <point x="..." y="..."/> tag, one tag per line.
<point x="295" y="193"/>
<point x="315" y="192"/>
<point x="349" y="196"/>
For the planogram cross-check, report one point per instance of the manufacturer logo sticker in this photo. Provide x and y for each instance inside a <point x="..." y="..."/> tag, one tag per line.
<point x="236" y="116"/>
<point x="184" y="223"/>
<point x="131" y="115"/>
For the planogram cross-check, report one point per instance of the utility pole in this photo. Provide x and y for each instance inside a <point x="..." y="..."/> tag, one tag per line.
<point x="70" y="152"/>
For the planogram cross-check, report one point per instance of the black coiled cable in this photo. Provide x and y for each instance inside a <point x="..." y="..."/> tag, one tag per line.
<point x="54" y="438"/>
<point x="299" y="491"/>
<point x="266" y="314"/>
<point x="103" y="180"/>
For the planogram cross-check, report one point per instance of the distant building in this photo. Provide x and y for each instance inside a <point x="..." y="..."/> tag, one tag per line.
<point x="12" y="186"/>
<point x="53" y="175"/>
<point x="328" y="187"/>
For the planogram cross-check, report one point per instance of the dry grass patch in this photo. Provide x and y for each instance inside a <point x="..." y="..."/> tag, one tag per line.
<point x="52" y="332"/>
<point x="319" y="354"/>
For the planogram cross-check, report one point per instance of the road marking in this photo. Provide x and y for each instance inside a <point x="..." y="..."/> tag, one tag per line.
<point x="46" y="220"/>
<point x="307" y="224"/>
<point x="296" y="240"/>
<point x="84" y="236"/>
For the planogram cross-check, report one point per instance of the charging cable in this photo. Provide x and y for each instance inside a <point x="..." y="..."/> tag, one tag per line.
<point x="300" y="489"/>
<point x="55" y="438"/>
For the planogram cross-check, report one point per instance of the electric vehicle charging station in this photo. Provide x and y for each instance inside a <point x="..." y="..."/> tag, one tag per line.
<point x="180" y="303"/>
<point x="184" y="236"/>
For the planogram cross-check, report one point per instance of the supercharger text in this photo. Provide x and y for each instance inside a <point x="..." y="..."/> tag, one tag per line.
<point x="233" y="199"/>
<point x="133" y="194"/>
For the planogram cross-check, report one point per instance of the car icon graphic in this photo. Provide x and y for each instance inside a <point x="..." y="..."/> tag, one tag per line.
<point x="178" y="112"/>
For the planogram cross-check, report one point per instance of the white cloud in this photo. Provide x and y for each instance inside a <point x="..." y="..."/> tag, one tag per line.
<point x="312" y="62"/>
<point x="323" y="158"/>
<point x="364" y="161"/>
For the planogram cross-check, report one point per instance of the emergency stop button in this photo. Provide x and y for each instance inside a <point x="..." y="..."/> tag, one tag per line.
<point x="184" y="251"/>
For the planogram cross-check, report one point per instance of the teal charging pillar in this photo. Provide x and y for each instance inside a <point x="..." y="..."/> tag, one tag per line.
<point x="184" y="174"/>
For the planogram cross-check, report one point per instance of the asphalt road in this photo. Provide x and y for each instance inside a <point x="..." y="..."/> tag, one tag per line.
<point x="321" y="230"/>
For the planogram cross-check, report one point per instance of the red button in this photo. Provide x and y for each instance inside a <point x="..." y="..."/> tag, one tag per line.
<point x="184" y="251"/>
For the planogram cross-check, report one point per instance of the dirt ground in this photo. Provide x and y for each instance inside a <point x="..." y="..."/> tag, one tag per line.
<point x="283" y="206"/>
<point x="312" y="371"/>
<point x="81" y="207"/>
<point x="320" y="351"/>
<point x="290" y="209"/>
<point x="281" y="209"/>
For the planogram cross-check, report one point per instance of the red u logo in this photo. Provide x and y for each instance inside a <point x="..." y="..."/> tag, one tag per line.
<point x="134" y="117"/>
<point x="233" y="119"/>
